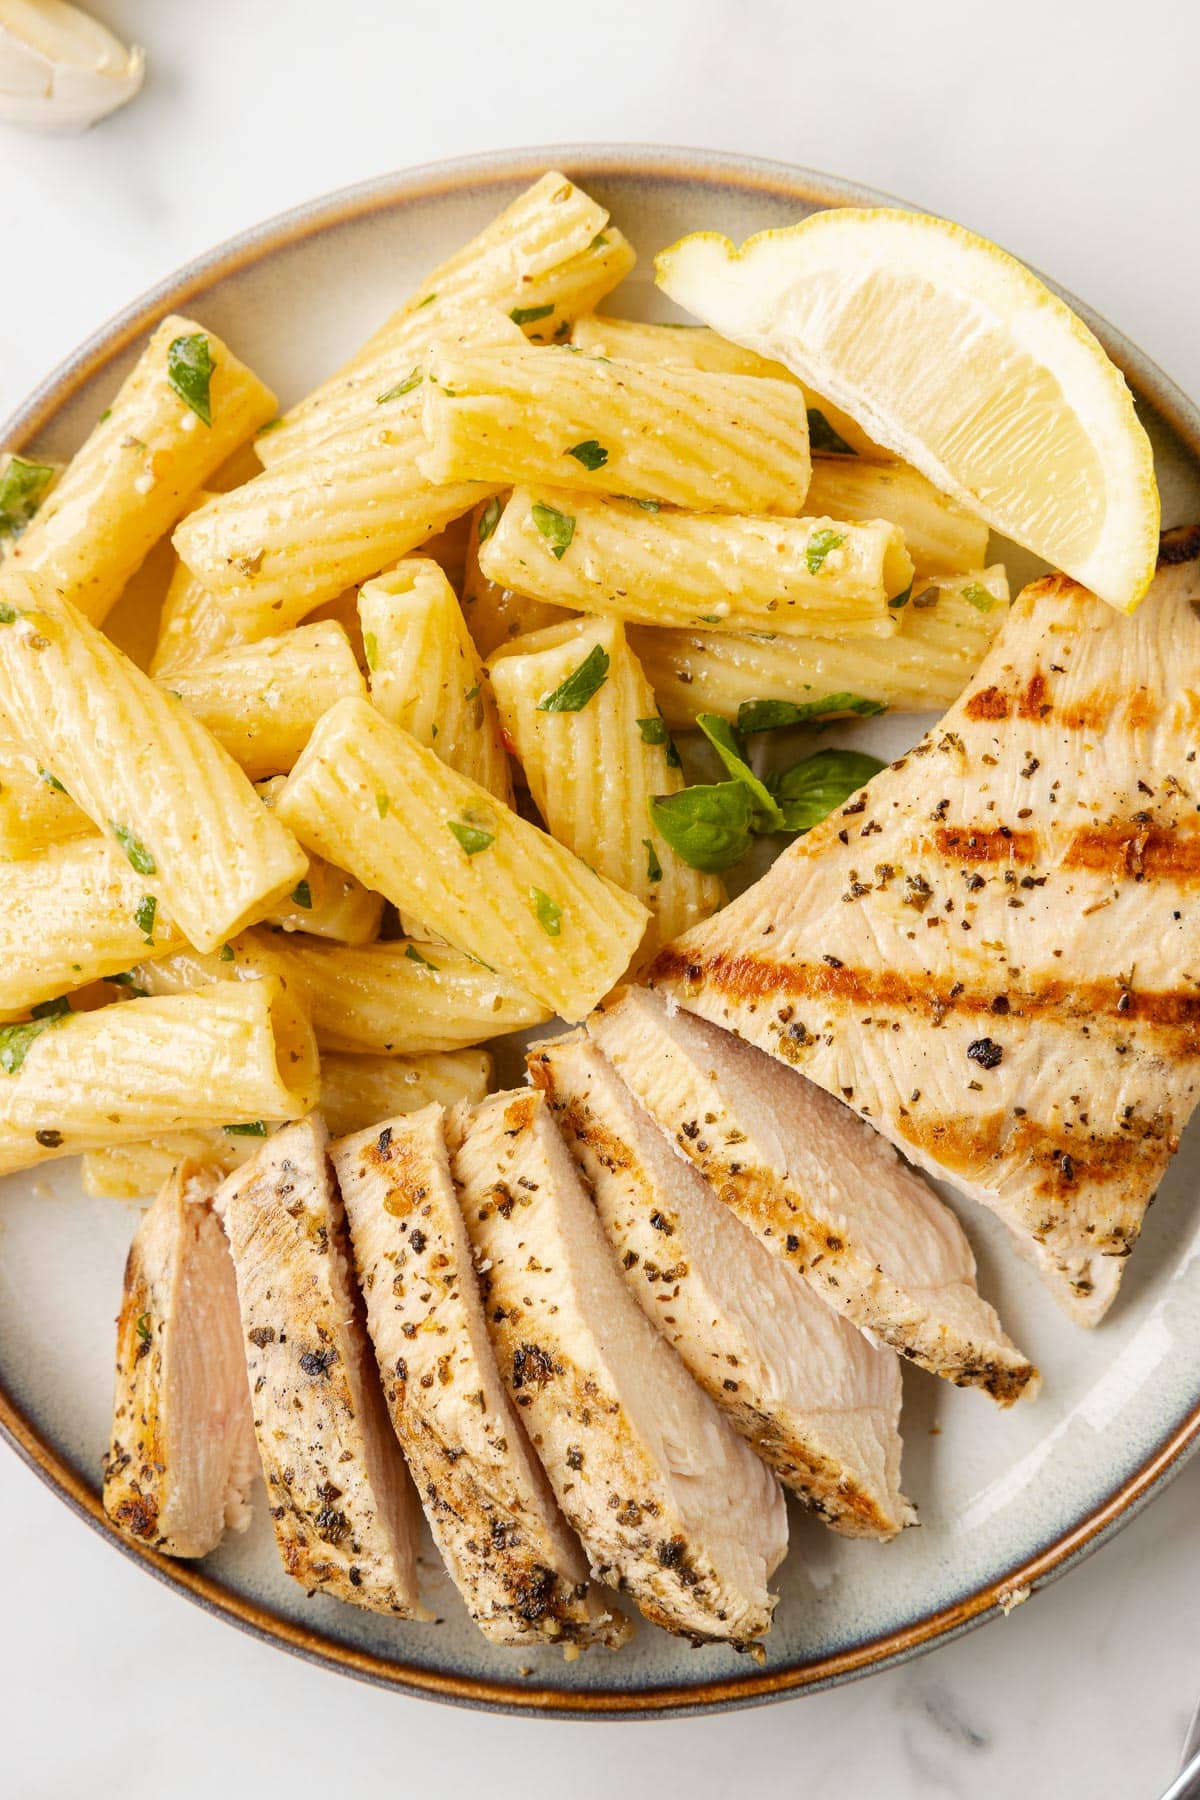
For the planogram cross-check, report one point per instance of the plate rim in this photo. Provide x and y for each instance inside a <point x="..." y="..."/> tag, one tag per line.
<point x="585" y="162"/>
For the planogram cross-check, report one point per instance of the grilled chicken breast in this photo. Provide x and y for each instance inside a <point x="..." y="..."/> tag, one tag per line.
<point x="671" y="1505"/>
<point x="817" y="1401"/>
<point x="514" y="1559"/>
<point x="345" y="1516"/>
<point x="991" y="952"/>
<point x="819" y="1187"/>
<point x="183" y="1456"/>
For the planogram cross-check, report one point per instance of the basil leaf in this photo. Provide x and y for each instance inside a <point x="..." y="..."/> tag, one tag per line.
<point x="724" y="740"/>
<point x="820" y="545"/>
<point x="811" y="789"/>
<point x="489" y="518"/>
<point x="189" y="370"/>
<point x="143" y="918"/>
<point x="15" y="1040"/>
<point x="580" y="686"/>
<point x="528" y="315"/>
<point x="558" y="528"/>
<point x="774" y="715"/>
<point x="402" y="387"/>
<point x="472" y="837"/>
<point x="414" y="955"/>
<point x="547" y="912"/>
<point x="709" y="827"/>
<point x="257" y="1128"/>
<point x="302" y="895"/>
<point x="976" y="595"/>
<point x="591" y="453"/>
<point x="822" y="436"/>
<point x="653" y="866"/>
<point x="901" y="599"/>
<point x="136" y="853"/>
<point x="22" y="489"/>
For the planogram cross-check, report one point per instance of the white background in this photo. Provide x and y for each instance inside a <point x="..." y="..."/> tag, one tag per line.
<point x="1068" y="132"/>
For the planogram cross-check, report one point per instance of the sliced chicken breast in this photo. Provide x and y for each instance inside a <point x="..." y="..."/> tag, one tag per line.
<point x="512" y="1555"/>
<point x="346" y="1519"/>
<point x="991" y="951"/>
<point x="815" y="1398"/>
<point x="819" y="1187"/>
<point x="672" y="1506"/>
<point x="183" y="1458"/>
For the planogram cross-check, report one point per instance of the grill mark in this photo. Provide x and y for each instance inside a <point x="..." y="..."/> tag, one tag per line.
<point x="1032" y="702"/>
<point x="1068" y="1166"/>
<point x="985" y="843"/>
<point x="988" y="703"/>
<point x="1136" y="851"/>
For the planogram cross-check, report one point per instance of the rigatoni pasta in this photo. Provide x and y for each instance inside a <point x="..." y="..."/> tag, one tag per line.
<point x="370" y="798"/>
<point x="35" y="808"/>
<point x="144" y="770"/>
<point x="942" y="537"/>
<point x="425" y="672"/>
<point x="594" y="768"/>
<point x="558" y="418"/>
<point x="187" y="404"/>
<point x="495" y="614"/>
<point x="325" y="902"/>
<point x="684" y="569"/>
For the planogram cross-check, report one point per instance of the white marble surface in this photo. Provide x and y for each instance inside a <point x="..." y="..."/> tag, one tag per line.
<point x="1065" y="131"/>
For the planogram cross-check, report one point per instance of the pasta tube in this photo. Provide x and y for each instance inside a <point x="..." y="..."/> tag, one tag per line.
<point x="327" y="902"/>
<point x="942" y="537"/>
<point x="400" y="998"/>
<point x="35" y="809"/>
<point x="735" y="573"/>
<point x="147" y="774"/>
<point x="426" y="675"/>
<point x="261" y="701"/>
<point x="594" y="770"/>
<point x="942" y="639"/>
<point x="495" y="614"/>
<point x="240" y="1052"/>
<point x="720" y="443"/>
<point x="374" y="801"/>
<point x="356" y="1091"/>
<point x="193" y="624"/>
<point x="186" y="405"/>
<point x="73" y="914"/>
<point x="696" y="347"/>
<point x="545" y="259"/>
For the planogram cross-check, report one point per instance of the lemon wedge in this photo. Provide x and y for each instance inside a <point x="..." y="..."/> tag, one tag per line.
<point x="953" y="356"/>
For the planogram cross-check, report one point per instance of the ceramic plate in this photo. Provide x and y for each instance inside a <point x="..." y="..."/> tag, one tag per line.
<point x="1007" y="1500"/>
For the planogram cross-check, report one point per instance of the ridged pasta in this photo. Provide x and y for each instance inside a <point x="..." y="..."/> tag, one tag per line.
<point x="941" y="537"/>
<point x="593" y="771"/>
<point x="558" y="418"/>
<point x="495" y="614"/>
<point x="131" y="480"/>
<point x="545" y="259"/>
<point x="696" y="347"/>
<point x="356" y="1091"/>
<point x="941" y="641"/>
<point x="685" y="569"/>
<point x="193" y="624"/>
<point x="34" y="812"/>
<point x="142" y="768"/>
<point x="70" y="915"/>
<point x="425" y="672"/>
<point x="236" y="1051"/>
<point x="370" y="798"/>
<point x="326" y="902"/>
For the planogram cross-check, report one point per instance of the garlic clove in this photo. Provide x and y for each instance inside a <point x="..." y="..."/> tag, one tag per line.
<point x="60" y="69"/>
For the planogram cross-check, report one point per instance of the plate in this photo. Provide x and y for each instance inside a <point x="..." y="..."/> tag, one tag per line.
<point x="1007" y="1501"/>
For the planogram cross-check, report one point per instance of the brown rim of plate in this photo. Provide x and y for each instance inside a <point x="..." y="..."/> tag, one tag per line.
<point x="584" y="163"/>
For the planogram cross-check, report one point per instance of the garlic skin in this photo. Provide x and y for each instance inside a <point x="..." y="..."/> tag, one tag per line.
<point x="60" y="69"/>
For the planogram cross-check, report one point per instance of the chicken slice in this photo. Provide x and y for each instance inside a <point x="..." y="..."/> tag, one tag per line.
<point x="512" y="1555"/>
<point x="345" y="1515"/>
<point x="671" y="1505"/>
<point x="819" y="1187"/>
<point x="183" y="1458"/>
<point x="815" y="1398"/>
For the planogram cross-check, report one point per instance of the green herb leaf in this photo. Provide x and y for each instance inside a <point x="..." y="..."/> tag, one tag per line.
<point x="976" y="595"/>
<point x="402" y="387"/>
<point x="653" y="866"/>
<point x="599" y="241"/>
<point x="143" y="918"/>
<point x="822" y="436"/>
<point x="591" y="453"/>
<point x="257" y="1128"/>
<point x="8" y="614"/>
<point x="901" y="599"/>
<point x="709" y="827"/>
<point x="414" y="955"/>
<point x="382" y="804"/>
<point x="811" y="789"/>
<point x="473" y="838"/>
<point x="302" y="895"/>
<point x="427" y="301"/>
<point x="51" y="1009"/>
<point x="547" y="912"/>
<point x="649" y="505"/>
<point x="125" y="980"/>
<point x="271" y="425"/>
<point x="15" y="1040"/>
<point x="580" y="686"/>
<point x="52" y="781"/>
<point x="142" y="1326"/>
<point x="489" y="518"/>
<point x="136" y="853"/>
<point x="227" y="954"/>
<point x="820" y="545"/>
<point x="189" y="370"/>
<point x="558" y="528"/>
<point x="371" y="647"/>
<point x="22" y="489"/>
<point x="725" y="741"/>
<point x="654" y="731"/>
<point x="528" y="315"/>
<point x="775" y="715"/>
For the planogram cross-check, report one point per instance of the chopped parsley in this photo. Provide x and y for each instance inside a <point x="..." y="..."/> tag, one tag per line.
<point x="558" y="528"/>
<point x="16" y="1040"/>
<point x="653" y="866"/>
<point x="402" y="387"/>
<point x="414" y="955"/>
<point x="227" y="953"/>
<point x="51" y="780"/>
<point x="136" y="853"/>
<point x="901" y="599"/>
<point x="371" y="647"/>
<point x="22" y="489"/>
<point x="489" y="518"/>
<point x="547" y="912"/>
<point x="142" y="1326"/>
<point x="126" y="980"/>
<point x="822" y="436"/>
<point x="8" y="614"/>
<point x="143" y="918"/>
<point x="302" y="895"/>
<point x="382" y="804"/>
<point x="473" y="838"/>
<point x="580" y="686"/>
<point x="654" y="731"/>
<point x="529" y="315"/>
<point x="976" y="595"/>
<point x="591" y="453"/>
<point x="820" y="545"/>
<point x="189" y="370"/>
<point x="256" y="1128"/>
